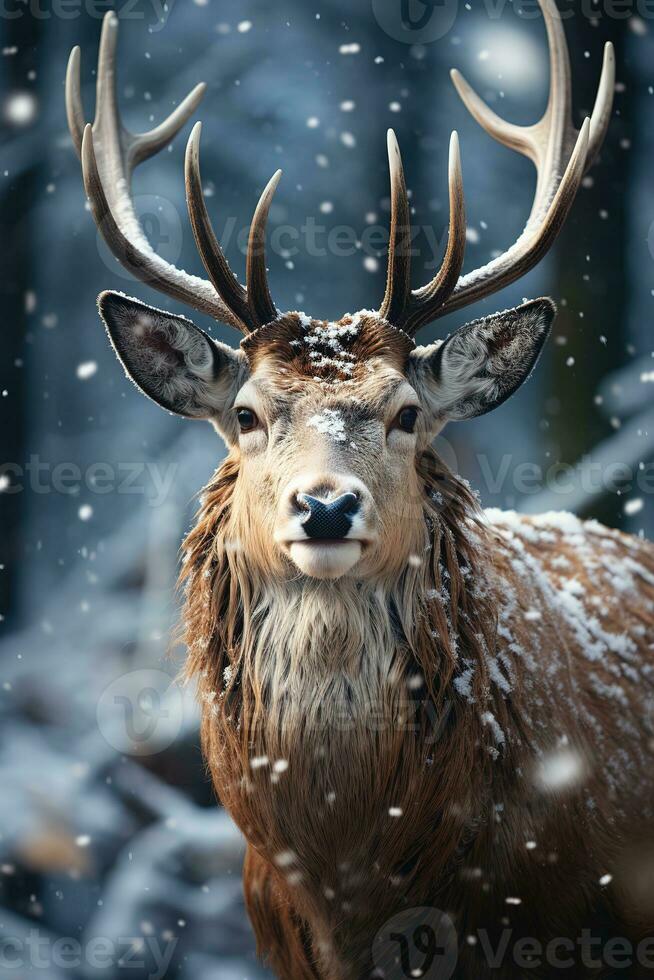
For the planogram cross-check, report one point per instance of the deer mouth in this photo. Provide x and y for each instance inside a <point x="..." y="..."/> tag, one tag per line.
<point x="327" y="542"/>
<point x="326" y="558"/>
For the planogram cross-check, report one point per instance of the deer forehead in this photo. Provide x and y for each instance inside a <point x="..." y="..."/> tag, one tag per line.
<point x="326" y="373"/>
<point x="341" y="353"/>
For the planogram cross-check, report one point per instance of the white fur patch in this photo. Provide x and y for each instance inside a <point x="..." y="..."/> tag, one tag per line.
<point x="331" y="422"/>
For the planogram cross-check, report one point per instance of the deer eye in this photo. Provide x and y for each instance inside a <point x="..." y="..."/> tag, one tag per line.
<point x="247" y="420"/>
<point x="406" y="420"/>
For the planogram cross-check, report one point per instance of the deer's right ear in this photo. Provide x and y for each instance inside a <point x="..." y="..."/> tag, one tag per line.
<point x="173" y="362"/>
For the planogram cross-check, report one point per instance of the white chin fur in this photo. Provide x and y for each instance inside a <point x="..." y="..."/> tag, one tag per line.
<point x="325" y="560"/>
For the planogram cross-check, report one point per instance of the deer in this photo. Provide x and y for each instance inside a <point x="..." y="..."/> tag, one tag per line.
<point x="432" y="723"/>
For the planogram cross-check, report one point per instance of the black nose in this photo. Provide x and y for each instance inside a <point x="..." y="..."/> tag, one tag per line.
<point x="328" y="519"/>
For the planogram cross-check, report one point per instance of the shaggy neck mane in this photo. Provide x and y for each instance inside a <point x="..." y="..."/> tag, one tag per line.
<point x="248" y="638"/>
<point x="330" y="706"/>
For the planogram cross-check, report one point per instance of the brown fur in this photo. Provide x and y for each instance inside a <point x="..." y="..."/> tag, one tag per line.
<point x="283" y="343"/>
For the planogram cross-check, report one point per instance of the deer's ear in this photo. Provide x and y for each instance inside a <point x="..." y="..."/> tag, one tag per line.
<point x="483" y="363"/>
<point x="171" y="360"/>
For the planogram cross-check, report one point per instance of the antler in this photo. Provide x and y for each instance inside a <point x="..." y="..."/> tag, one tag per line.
<point x="254" y="305"/>
<point x="109" y="155"/>
<point x="561" y="155"/>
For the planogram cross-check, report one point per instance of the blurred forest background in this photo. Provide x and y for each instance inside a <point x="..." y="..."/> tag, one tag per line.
<point x="108" y="827"/>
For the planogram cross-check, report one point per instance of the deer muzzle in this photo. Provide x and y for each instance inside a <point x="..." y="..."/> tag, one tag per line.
<point x="326" y="524"/>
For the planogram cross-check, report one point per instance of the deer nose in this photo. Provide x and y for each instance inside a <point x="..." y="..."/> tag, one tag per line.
<point x="329" y="520"/>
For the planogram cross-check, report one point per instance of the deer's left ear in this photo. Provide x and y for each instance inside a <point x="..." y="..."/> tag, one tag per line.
<point x="482" y="364"/>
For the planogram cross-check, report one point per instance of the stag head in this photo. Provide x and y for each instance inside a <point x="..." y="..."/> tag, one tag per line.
<point x="327" y="422"/>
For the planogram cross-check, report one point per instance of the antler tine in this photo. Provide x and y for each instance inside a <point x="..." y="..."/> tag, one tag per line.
<point x="402" y="307"/>
<point x="530" y="247"/>
<point x="548" y="142"/>
<point x="106" y="104"/>
<point x="601" y="117"/>
<point x="515" y="137"/>
<point x="211" y="253"/>
<point x="427" y="301"/>
<point x="561" y="155"/>
<point x="254" y="305"/>
<point x="147" y="144"/>
<point x="139" y="146"/>
<point x="398" y="282"/>
<point x="109" y="154"/>
<point x="74" y="107"/>
<point x="261" y="304"/>
<point x="136" y="255"/>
